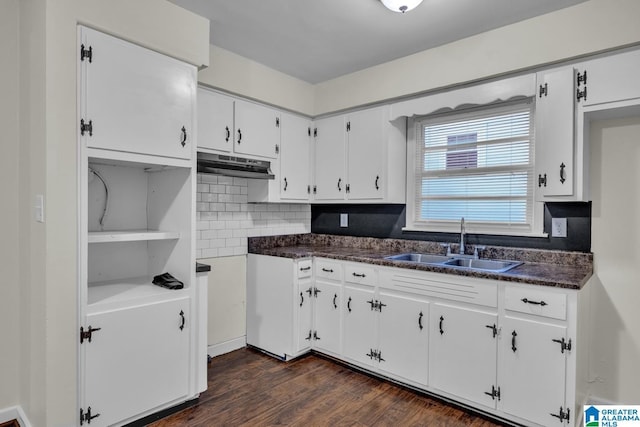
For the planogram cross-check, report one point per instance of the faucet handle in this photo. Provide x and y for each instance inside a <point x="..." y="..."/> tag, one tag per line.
<point x="476" y="249"/>
<point x="447" y="246"/>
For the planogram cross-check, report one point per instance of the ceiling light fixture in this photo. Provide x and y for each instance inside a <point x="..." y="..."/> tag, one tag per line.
<point x="401" y="5"/>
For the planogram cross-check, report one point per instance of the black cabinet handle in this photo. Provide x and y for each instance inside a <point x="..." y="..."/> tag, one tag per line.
<point x="182" y="320"/>
<point x="301" y="299"/>
<point x="562" y="173"/>
<point x="528" y="301"/>
<point x="327" y="270"/>
<point x="239" y="136"/>
<point x="441" y="320"/>
<point x="305" y="268"/>
<point x="359" y="275"/>
<point x="335" y="297"/>
<point x="349" y="305"/>
<point x="513" y="341"/>
<point x="377" y="179"/>
<point x="420" y="321"/>
<point x="183" y="138"/>
<point x="286" y="184"/>
<point x="339" y="182"/>
<point x="226" y="139"/>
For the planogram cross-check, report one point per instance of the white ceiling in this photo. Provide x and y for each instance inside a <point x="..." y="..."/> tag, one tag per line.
<point x="317" y="40"/>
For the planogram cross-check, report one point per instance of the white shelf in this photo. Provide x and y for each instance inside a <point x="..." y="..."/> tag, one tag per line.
<point x="114" y="294"/>
<point x="131" y="236"/>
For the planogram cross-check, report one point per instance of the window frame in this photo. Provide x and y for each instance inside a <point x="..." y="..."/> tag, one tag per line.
<point x="414" y="137"/>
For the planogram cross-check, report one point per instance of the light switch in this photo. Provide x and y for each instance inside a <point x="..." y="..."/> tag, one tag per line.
<point x="344" y="220"/>
<point x="558" y="227"/>
<point x="38" y="208"/>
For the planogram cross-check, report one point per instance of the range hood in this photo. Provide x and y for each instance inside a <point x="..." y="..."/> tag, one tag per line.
<point x="221" y="164"/>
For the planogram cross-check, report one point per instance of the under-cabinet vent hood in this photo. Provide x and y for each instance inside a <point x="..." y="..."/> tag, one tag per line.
<point x="221" y="164"/>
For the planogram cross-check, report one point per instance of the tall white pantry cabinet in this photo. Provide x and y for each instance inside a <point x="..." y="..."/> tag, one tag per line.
<point x="136" y="127"/>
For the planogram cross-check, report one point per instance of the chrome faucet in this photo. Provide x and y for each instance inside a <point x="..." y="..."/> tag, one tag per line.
<point x="462" y="236"/>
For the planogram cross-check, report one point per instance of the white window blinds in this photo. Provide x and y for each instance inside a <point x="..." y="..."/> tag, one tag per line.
<point x="476" y="165"/>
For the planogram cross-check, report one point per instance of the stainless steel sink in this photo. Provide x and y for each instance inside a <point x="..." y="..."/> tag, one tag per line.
<point x="421" y="258"/>
<point x="498" y="266"/>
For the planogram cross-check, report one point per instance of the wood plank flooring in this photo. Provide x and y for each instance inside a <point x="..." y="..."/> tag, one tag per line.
<point x="248" y="388"/>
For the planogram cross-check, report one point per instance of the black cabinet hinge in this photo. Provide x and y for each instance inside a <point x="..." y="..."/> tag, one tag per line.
<point x="86" y="417"/>
<point x="277" y="149"/>
<point x="315" y="336"/>
<point x="564" y="345"/>
<point x="309" y="131"/>
<point x="544" y="90"/>
<point x="581" y="78"/>
<point x="277" y="122"/>
<point x="87" y="334"/>
<point x="581" y="94"/>
<point x="315" y="189"/>
<point x="494" y="393"/>
<point x="494" y="329"/>
<point x="86" y="53"/>
<point x="315" y="132"/>
<point x="348" y="126"/>
<point x="308" y="189"/>
<point x="375" y="355"/>
<point x="542" y="180"/>
<point x="348" y="188"/>
<point x="562" y="415"/>
<point x="86" y="127"/>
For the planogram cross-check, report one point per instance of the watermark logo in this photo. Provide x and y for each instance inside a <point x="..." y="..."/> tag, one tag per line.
<point x="611" y="416"/>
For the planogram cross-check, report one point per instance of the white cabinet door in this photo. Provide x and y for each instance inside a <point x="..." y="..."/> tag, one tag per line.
<point x="215" y="121"/>
<point x="462" y="352"/>
<point x="327" y="317"/>
<point x="303" y="318"/>
<point x="366" y="155"/>
<point x="532" y="370"/>
<point x="329" y="159"/>
<point x="136" y="100"/>
<point x="360" y="331"/>
<point x="294" y="158"/>
<point x="610" y="79"/>
<point x="554" y="148"/>
<point x="257" y="130"/>
<point x="404" y="338"/>
<point x="137" y="361"/>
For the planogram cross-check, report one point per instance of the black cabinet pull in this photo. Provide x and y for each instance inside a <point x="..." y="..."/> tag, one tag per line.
<point x="301" y="299"/>
<point x="239" y="136"/>
<point x="420" y="321"/>
<point x="327" y="270"/>
<point x="562" y="173"/>
<point x="528" y="301"/>
<point x="377" y="179"/>
<point x="349" y="305"/>
<point x="339" y="184"/>
<point x="286" y="184"/>
<point x="182" y="320"/>
<point x="441" y="320"/>
<point x="226" y="139"/>
<point x="183" y="138"/>
<point x="305" y="268"/>
<point x="359" y="275"/>
<point x="335" y="297"/>
<point x="513" y="341"/>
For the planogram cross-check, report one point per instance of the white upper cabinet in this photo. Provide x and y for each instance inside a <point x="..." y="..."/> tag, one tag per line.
<point x="215" y="121"/>
<point x="554" y="144"/>
<point x="233" y="126"/>
<point x="360" y="157"/>
<point x="609" y="79"/>
<point x="295" y="158"/>
<point x="135" y="100"/>
<point x="257" y="130"/>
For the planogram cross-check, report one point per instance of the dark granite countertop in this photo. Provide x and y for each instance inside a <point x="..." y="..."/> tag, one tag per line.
<point x="569" y="270"/>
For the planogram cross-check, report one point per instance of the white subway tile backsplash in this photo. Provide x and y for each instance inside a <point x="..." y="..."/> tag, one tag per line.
<point x="225" y="218"/>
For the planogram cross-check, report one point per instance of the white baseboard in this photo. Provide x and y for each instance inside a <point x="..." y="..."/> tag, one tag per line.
<point x="14" y="413"/>
<point x="227" y="346"/>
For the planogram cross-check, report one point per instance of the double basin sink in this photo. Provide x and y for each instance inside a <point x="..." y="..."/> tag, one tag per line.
<point x="475" y="264"/>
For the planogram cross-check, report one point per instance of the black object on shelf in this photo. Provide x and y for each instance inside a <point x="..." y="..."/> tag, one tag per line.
<point x="166" y="280"/>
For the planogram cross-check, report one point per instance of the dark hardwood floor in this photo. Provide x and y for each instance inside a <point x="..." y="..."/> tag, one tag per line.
<point x="248" y="388"/>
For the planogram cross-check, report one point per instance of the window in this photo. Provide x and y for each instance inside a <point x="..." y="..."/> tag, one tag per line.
<point x="476" y="165"/>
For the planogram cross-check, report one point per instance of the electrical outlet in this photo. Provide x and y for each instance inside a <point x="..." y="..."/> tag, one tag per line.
<point x="38" y="208"/>
<point x="344" y="220"/>
<point x="558" y="227"/>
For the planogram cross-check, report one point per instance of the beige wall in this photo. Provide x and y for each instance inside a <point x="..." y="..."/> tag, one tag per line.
<point x="615" y="318"/>
<point x="589" y="27"/>
<point x="10" y="289"/>
<point x="242" y="76"/>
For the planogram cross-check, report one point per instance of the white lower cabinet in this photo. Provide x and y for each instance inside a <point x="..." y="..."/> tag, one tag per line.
<point x="403" y="341"/>
<point x="462" y="357"/>
<point x="138" y="359"/>
<point x="506" y="349"/>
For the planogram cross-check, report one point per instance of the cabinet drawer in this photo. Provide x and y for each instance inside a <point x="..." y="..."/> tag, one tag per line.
<point x="537" y="302"/>
<point x="329" y="270"/>
<point x="304" y="268"/>
<point x="360" y="273"/>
